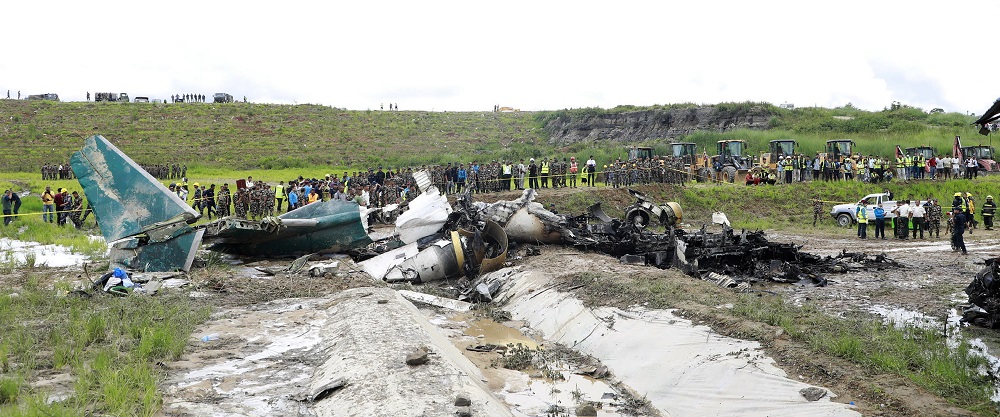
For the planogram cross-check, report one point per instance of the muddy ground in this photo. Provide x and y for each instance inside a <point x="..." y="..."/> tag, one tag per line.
<point x="930" y="282"/>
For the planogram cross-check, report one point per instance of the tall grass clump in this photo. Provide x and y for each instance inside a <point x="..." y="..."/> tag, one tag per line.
<point x="108" y="345"/>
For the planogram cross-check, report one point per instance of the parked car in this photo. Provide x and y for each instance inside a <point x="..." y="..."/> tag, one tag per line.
<point x="222" y="98"/>
<point x="845" y="215"/>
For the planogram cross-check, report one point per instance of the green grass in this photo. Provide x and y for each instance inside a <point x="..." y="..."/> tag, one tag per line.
<point x="316" y="138"/>
<point x="109" y="345"/>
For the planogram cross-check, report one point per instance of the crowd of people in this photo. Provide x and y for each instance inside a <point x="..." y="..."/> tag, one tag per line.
<point x="911" y="218"/>
<point x="187" y="98"/>
<point x="869" y="169"/>
<point x="59" y="207"/>
<point x="56" y="172"/>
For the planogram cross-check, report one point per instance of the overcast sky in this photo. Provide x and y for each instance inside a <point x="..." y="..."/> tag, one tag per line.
<point x="530" y="55"/>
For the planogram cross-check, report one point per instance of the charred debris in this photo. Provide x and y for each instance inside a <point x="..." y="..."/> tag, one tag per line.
<point x="984" y="296"/>
<point x="477" y="238"/>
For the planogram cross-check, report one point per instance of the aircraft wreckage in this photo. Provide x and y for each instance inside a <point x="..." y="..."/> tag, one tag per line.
<point x="149" y="228"/>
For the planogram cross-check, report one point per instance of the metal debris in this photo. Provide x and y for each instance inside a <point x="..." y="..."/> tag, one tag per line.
<point x="984" y="296"/>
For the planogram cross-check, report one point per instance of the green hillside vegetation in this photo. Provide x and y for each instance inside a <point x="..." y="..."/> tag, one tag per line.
<point x="265" y="136"/>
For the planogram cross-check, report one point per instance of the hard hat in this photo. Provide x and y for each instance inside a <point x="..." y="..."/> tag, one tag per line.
<point x="572" y="158"/>
<point x="958" y="194"/>
<point x="989" y="197"/>
<point x="195" y="184"/>
<point x="532" y="159"/>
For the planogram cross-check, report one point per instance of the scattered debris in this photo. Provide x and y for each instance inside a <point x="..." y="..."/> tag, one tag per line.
<point x="586" y="410"/>
<point x="325" y="390"/>
<point x="984" y="296"/>
<point x="434" y="300"/>
<point x="419" y="356"/>
<point x="813" y="393"/>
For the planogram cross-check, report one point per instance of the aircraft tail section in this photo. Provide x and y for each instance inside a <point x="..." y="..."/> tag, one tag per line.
<point x="126" y="199"/>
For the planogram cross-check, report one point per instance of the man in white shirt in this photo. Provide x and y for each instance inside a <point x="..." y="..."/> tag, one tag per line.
<point x="591" y="171"/>
<point x="902" y="212"/>
<point x="917" y="219"/>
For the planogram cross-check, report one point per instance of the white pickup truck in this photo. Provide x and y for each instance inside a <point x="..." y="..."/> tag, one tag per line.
<point x="844" y="213"/>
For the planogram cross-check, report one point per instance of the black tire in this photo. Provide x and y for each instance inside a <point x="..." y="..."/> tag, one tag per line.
<point x="844" y="220"/>
<point x="729" y="174"/>
<point x="704" y="175"/>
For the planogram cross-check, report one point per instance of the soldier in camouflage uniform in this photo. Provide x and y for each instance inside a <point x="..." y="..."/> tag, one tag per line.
<point x="934" y="214"/>
<point x="224" y="200"/>
<point x="240" y="203"/>
<point x="817" y="210"/>
<point x="76" y="208"/>
<point x="267" y="202"/>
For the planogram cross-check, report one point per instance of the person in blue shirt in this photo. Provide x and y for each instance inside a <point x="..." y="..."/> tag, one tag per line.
<point x="293" y="201"/>
<point x="460" y="176"/>
<point x="879" y="213"/>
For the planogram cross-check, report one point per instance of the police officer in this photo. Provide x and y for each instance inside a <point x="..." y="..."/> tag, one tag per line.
<point x="957" y="240"/>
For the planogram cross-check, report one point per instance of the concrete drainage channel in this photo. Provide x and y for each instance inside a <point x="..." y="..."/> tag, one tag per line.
<point x="369" y="351"/>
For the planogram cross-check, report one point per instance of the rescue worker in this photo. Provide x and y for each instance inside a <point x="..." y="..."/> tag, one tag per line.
<point x="957" y="240"/>
<point x="861" y="212"/>
<point x="544" y="171"/>
<point x="279" y="195"/>
<point x="970" y="212"/>
<point x="197" y="198"/>
<point x="574" y="170"/>
<point x="989" y="209"/>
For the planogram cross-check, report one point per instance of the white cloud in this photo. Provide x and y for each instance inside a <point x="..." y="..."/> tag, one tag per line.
<point x="460" y="55"/>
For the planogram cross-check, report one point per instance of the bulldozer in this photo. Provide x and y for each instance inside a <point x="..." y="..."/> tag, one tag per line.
<point x="778" y="149"/>
<point x="729" y="162"/>
<point x="926" y="152"/>
<point x="687" y="152"/>
<point x="839" y="149"/>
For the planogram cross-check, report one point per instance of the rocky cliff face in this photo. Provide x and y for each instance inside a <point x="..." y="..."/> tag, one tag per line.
<point x="644" y="125"/>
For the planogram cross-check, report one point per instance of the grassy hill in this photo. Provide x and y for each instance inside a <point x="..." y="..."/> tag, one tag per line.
<point x="265" y="136"/>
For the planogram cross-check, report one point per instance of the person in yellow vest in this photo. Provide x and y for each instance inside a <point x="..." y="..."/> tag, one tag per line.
<point x="861" y="212"/>
<point x="544" y="171"/>
<point x="279" y="195"/>
<point x="313" y="196"/>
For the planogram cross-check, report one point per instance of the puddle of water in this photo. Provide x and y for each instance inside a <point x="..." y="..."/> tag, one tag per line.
<point x="54" y="256"/>
<point x="488" y="331"/>
<point x="978" y="347"/>
<point x="901" y="317"/>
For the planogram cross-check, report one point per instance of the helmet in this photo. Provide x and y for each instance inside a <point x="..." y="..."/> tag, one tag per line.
<point x="989" y="197"/>
<point x="958" y="194"/>
<point x="195" y="184"/>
